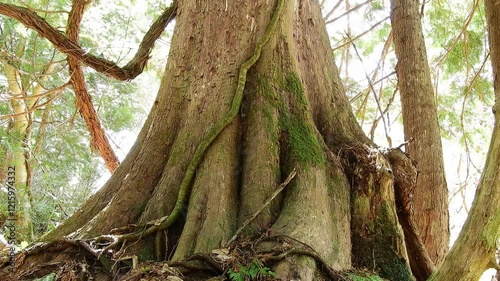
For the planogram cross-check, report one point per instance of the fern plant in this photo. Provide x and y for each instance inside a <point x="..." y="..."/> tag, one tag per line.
<point x="252" y="271"/>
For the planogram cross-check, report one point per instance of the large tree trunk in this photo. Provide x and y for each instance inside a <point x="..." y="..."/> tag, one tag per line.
<point x="421" y="128"/>
<point x="201" y="186"/>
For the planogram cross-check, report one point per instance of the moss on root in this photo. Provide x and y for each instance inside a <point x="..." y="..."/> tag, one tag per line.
<point x="269" y="115"/>
<point x="377" y="244"/>
<point x="381" y="248"/>
<point x="139" y="207"/>
<point x="147" y="253"/>
<point x="293" y="85"/>
<point x="303" y="143"/>
<point x="392" y="266"/>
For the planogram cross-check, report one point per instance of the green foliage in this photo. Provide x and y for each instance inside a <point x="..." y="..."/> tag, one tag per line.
<point x="465" y="90"/>
<point x="252" y="271"/>
<point x="463" y="48"/>
<point x="64" y="170"/>
<point x="294" y="86"/>
<point x="49" y="277"/>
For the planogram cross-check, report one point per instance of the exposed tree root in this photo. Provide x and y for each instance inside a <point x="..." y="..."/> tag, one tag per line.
<point x="405" y="178"/>
<point x="76" y="259"/>
<point x="121" y="236"/>
<point x="283" y="252"/>
<point x="106" y="254"/>
<point x="103" y="250"/>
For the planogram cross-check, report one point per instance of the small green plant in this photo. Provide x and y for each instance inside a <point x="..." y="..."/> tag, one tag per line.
<point x="252" y="271"/>
<point x="50" y="277"/>
<point x="145" y="269"/>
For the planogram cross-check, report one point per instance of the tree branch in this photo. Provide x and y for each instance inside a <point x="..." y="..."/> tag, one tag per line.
<point x="98" y="138"/>
<point x="349" y="40"/>
<point x="56" y="91"/>
<point x="71" y="48"/>
<point x="346" y="13"/>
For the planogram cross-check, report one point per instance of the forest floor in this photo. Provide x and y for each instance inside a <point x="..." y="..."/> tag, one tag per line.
<point x="68" y="260"/>
<point x="76" y="260"/>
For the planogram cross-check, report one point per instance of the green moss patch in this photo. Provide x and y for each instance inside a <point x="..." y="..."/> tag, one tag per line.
<point x="301" y="138"/>
<point x="303" y="143"/>
<point x="378" y="245"/>
<point x="390" y="264"/>
<point x="294" y="86"/>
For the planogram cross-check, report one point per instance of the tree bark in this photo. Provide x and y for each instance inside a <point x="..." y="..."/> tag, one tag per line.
<point x="405" y="175"/>
<point x="98" y="139"/>
<point x="421" y="128"/>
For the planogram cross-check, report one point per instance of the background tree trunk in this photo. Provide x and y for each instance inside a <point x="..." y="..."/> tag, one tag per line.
<point x="20" y="153"/>
<point x="421" y="127"/>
